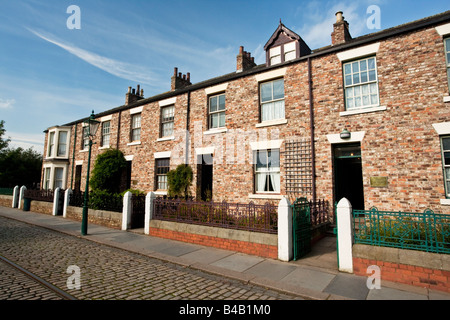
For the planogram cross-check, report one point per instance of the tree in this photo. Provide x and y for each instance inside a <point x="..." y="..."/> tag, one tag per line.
<point x="179" y="181"/>
<point x="20" y="167"/>
<point x="3" y="142"/>
<point x="107" y="172"/>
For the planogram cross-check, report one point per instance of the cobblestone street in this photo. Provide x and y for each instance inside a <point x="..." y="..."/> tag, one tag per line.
<point x="105" y="272"/>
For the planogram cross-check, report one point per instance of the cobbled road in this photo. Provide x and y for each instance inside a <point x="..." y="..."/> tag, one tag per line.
<point x="106" y="273"/>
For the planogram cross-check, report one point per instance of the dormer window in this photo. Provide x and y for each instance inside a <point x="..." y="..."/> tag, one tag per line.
<point x="284" y="45"/>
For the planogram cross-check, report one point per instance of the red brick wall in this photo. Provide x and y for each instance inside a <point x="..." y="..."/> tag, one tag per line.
<point x="266" y="251"/>
<point x="406" y="274"/>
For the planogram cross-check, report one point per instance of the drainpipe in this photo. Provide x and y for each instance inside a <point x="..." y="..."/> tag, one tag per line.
<point x="73" y="156"/>
<point x="311" y="122"/>
<point x="186" y="157"/>
<point x="118" y="130"/>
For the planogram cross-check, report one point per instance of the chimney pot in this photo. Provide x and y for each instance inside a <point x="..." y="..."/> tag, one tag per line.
<point x="142" y="92"/>
<point x="241" y="49"/>
<point x="175" y="71"/>
<point x="129" y="89"/>
<point x="339" y="16"/>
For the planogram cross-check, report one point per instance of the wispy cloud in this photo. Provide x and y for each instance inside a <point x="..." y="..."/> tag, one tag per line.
<point x="7" y="104"/>
<point x="117" y="68"/>
<point x="318" y="23"/>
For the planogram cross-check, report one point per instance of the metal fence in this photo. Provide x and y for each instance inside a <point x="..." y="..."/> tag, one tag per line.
<point x="6" y="191"/>
<point x="319" y="212"/>
<point x="425" y="231"/>
<point x="249" y="217"/>
<point x="98" y="201"/>
<point x="40" y="195"/>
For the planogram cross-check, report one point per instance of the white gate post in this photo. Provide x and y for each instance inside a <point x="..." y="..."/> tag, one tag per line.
<point x="345" y="235"/>
<point x="15" y="201"/>
<point x="126" y="211"/>
<point x="148" y="211"/>
<point x="56" y="195"/>
<point x="21" y="196"/>
<point x="285" y="252"/>
<point x="67" y="195"/>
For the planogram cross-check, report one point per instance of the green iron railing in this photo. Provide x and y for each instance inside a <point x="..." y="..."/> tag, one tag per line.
<point x="7" y="191"/>
<point x="425" y="231"/>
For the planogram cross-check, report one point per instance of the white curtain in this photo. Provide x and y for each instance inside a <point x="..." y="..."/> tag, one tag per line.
<point x="260" y="181"/>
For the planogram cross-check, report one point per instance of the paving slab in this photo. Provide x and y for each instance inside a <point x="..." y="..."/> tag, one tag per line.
<point x="271" y="270"/>
<point x="207" y="255"/>
<point x="308" y="278"/>
<point x="238" y="262"/>
<point x="394" y="294"/>
<point x="348" y="286"/>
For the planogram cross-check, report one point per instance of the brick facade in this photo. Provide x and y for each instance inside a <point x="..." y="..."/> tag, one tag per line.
<point x="398" y="140"/>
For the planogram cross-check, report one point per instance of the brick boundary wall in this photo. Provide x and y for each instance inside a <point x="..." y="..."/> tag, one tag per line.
<point x="417" y="268"/>
<point x="210" y="237"/>
<point x="6" y="201"/>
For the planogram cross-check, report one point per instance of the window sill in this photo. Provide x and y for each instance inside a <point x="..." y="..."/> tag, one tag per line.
<point x="84" y="150"/>
<point x="445" y="202"/>
<point x="447" y="99"/>
<point x="166" y="138"/>
<point x="160" y="192"/>
<point x="271" y="123"/>
<point x="136" y="143"/>
<point x="104" y="147"/>
<point x="362" y="110"/>
<point x="214" y="131"/>
<point x="265" y="196"/>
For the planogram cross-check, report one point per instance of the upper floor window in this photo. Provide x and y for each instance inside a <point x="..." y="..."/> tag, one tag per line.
<point x="51" y="144"/>
<point x="361" y="84"/>
<point x="217" y="111"/>
<point x="290" y="51"/>
<point x="62" y="144"/>
<point x="445" y="146"/>
<point x="57" y="143"/>
<point x="136" y="127"/>
<point x="447" y="55"/>
<point x="272" y="100"/>
<point x="85" y="140"/>
<point x="167" y="119"/>
<point x="106" y="133"/>
<point x="275" y="55"/>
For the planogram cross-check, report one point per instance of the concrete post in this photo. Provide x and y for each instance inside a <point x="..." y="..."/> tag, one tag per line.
<point x="345" y="236"/>
<point x="148" y="211"/>
<point x="21" y="196"/>
<point x="15" y="201"/>
<point x="56" y="195"/>
<point x="67" y="195"/>
<point x="285" y="251"/>
<point x="126" y="211"/>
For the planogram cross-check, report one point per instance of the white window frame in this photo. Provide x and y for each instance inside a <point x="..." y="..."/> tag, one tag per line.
<point x="271" y="175"/>
<point x="55" y="143"/>
<point x="106" y="133"/>
<point x="356" y="89"/>
<point x="273" y="101"/>
<point x="445" y="167"/>
<point x="50" y="176"/>
<point x="447" y="58"/>
<point x="219" y="113"/>
<point x="275" y="55"/>
<point x="158" y="183"/>
<point x="290" y="51"/>
<point x="136" y="126"/>
<point x="167" y="132"/>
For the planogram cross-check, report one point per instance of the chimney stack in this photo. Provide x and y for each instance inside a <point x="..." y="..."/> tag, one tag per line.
<point x="180" y="80"/>
<point x="341" y="33"/>
<point x="244" y="60"/>
<point x="134" y="95"/>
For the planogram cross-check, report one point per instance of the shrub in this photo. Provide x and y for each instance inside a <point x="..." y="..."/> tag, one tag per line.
<point x="107" y="172"/>
<point x="179" y="181"/>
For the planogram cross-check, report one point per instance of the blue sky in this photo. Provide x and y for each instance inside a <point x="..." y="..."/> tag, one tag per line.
<point x="51" y="75"/>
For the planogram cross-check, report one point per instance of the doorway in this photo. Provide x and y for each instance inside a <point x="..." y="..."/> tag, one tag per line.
<point x="205" y="176"/>
<point x="348" y="177"/>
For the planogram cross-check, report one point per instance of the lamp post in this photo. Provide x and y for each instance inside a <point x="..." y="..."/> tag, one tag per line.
<point x="92" y="126"/>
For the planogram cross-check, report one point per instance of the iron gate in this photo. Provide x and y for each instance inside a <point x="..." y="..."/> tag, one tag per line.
<point x="301" y="227"/>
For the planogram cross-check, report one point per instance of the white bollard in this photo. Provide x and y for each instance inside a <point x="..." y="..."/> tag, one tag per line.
<point x="285" y="249"/>
<point x="345" y="235"/>
<point x="126" y="211"/>
<point x="15" y="201"/>
<point x="56" y="195"/>
<point x="67" y="195"/>
<point x="148" y="211"/>
<point x="21" y="196"/>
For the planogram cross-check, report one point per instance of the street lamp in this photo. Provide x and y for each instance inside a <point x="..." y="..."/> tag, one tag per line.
<point x="92" y="126"/>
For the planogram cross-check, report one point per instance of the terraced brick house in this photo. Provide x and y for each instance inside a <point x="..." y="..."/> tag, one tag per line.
<point x="366" y="118"/>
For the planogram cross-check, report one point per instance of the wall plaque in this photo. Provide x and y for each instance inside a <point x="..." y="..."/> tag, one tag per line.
<point x="379" y="182"/>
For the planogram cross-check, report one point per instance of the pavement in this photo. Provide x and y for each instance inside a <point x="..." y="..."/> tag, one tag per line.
<point x="314" y="277"/>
